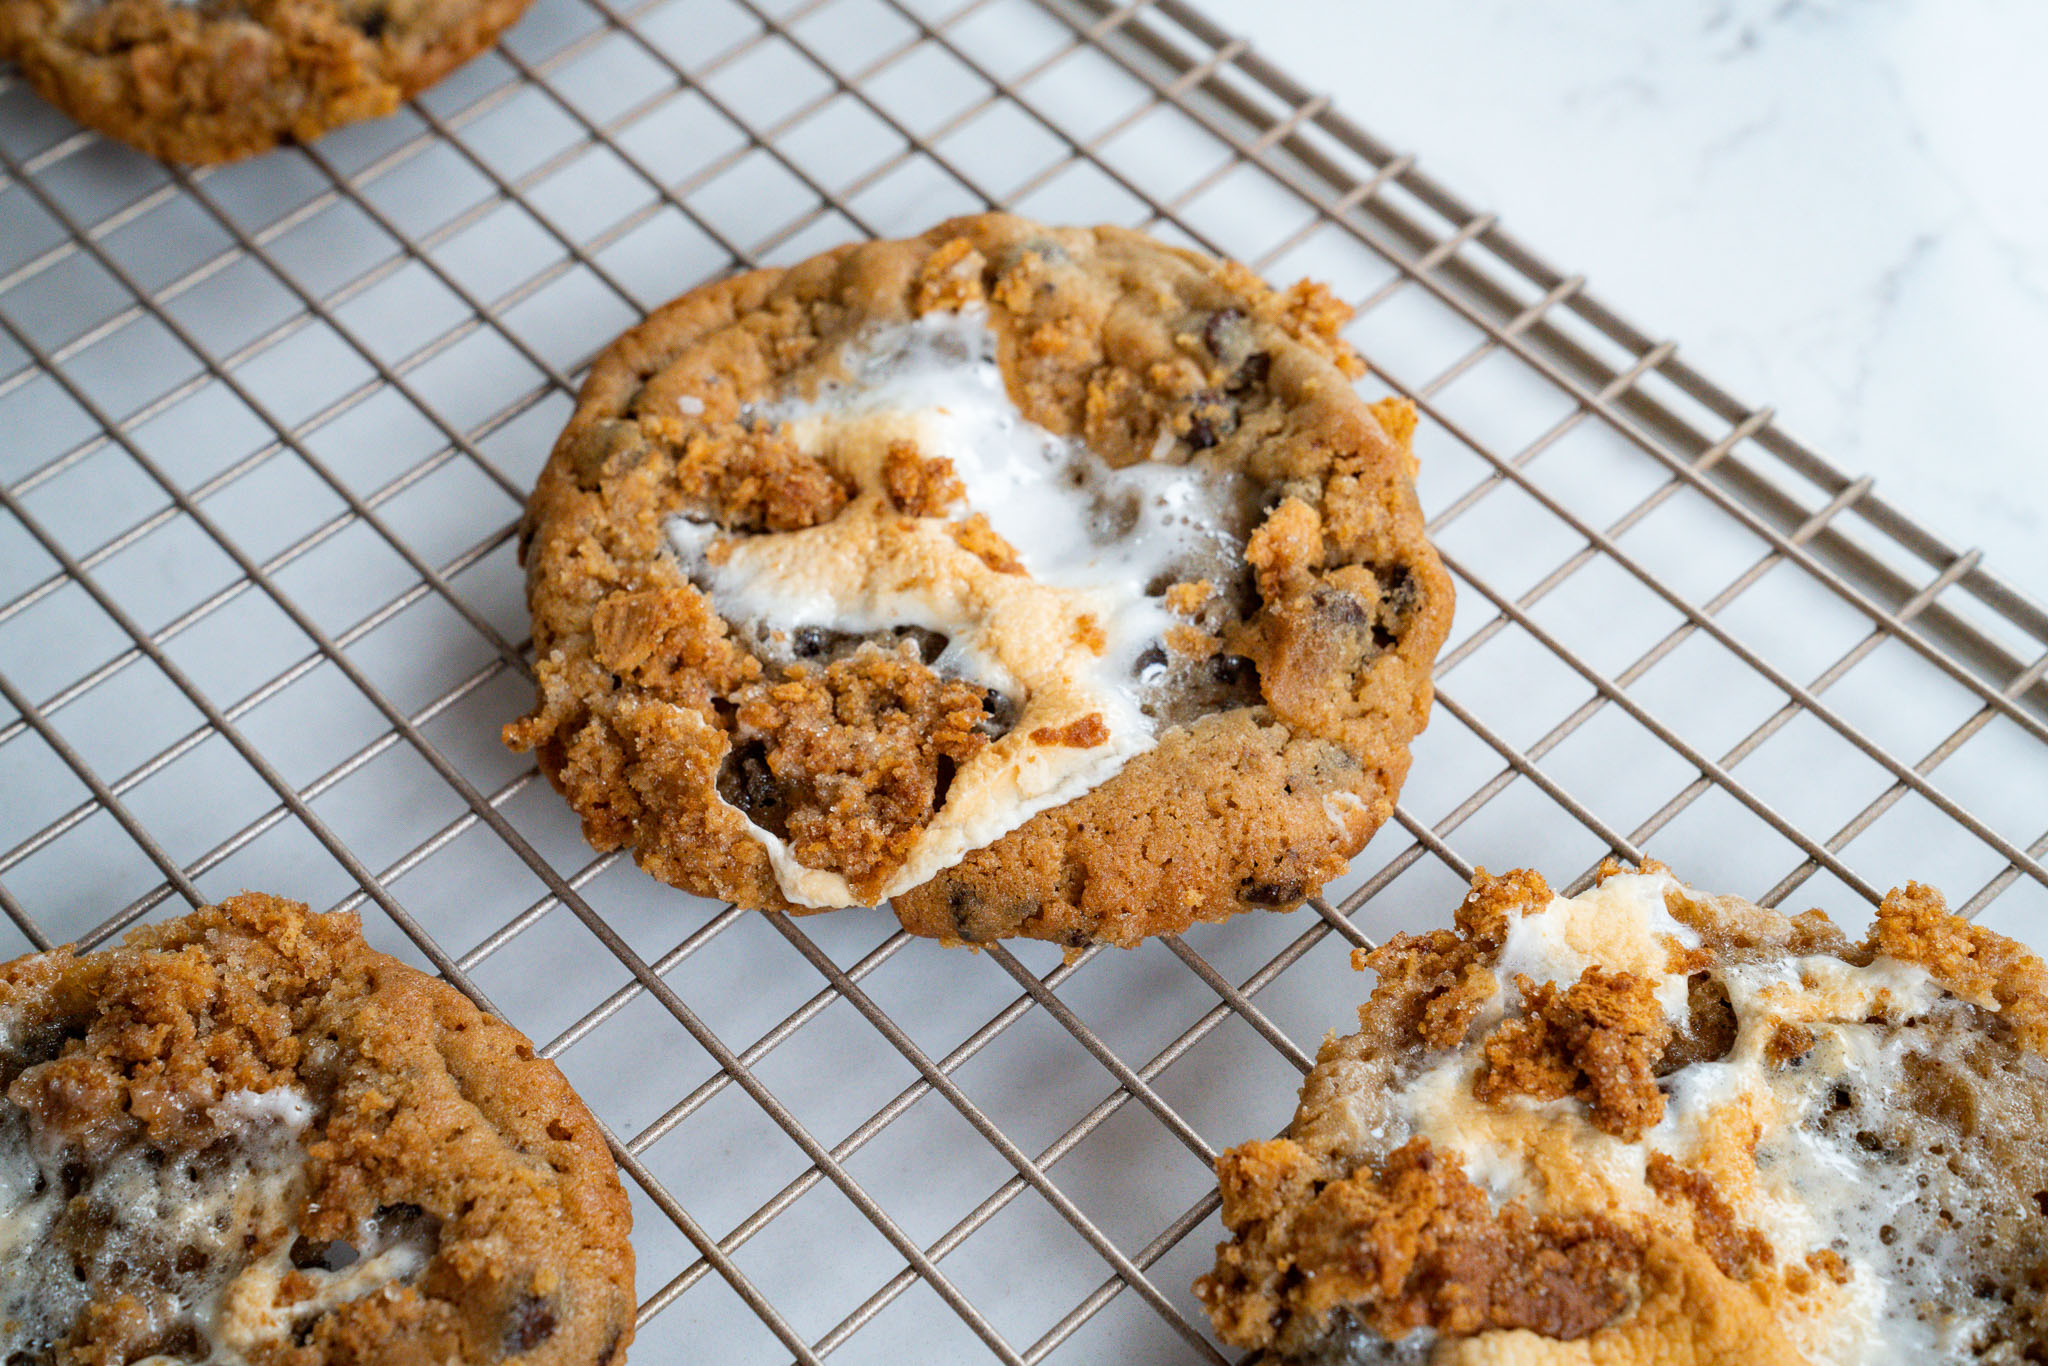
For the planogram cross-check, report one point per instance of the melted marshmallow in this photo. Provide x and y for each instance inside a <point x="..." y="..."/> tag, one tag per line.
<point x="190" y="1212"/>
<point x="1810" y="1184"/>
<point x="1076" y="635"/>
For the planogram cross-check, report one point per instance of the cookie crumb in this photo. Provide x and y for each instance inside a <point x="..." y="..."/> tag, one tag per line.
<point x="1082" y="733"/>
<point x="1596" y="1041"/>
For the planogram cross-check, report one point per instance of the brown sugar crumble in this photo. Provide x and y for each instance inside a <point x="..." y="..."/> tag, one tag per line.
<point x="1739" y="1251"/>
<point x="749" y="480"/>
<point x="918" y="485"/>
<point x="1081" y="733"/>
<point x="1412" y="1245"/>
<point x="1913" y="925"/>
<point x="1597" y="1041"/>
<point x="1433" y="985"/>
<point x="817" y="736"/>
<point x="980" y="540"/>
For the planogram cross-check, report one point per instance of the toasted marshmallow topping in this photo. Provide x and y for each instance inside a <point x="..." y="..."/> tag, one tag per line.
<point x="1786" y="1145"/>
<point x="1067" y="639"/>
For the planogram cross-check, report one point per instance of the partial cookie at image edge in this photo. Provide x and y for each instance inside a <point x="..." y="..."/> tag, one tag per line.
<point x="1707" y="1133"/>
<point x="185" y="83"/>
<point x="253" y="1138"/>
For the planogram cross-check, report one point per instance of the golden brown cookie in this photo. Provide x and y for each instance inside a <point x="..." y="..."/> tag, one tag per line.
<point x="244" y="1136"/>
<point x="214" y="80"/>
<point x="1648" y="1125"/>
<point x="1046" y="582"/>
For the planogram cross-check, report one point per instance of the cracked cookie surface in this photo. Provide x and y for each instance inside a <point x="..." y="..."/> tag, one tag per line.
<point x="215" y="80"/>
<point x="1650" y="1125"/>
<point x="244" y="1137"/>
<point x="1042" y="582"/>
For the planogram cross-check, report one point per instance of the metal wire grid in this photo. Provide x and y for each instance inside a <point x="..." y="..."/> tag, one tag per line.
<point x="269" y="426"/>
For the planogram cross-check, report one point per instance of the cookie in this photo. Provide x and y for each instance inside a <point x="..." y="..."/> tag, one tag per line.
<point x="1043" y="582"/>
<point x="246" y="1137"/>
<point x="214" y="80"/>
<point x="1652" y="1125"/>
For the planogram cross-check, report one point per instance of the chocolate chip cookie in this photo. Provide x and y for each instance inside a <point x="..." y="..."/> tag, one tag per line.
<point x="1043" y="582"/>
<point x="214" y="80"/>
<point x="244" y="1136"/>
<point x="1652" y="1125"/>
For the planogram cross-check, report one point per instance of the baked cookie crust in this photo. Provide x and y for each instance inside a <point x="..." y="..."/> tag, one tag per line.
<point x="245" y="1136"/>
<point x="1650" y="1125"/>
<point x="1294" y="670"/>
<point x="216" y="80"/>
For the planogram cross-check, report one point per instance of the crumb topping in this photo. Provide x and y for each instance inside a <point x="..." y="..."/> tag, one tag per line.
<point x="1738" y="1250"/>
<point x="1596" y="1041"/>
<point x="920" y="485"/>
<point x="1433" y="985"/>
<point x="747" y="479"/>
<point x="1413" y="1244"/>
<point x="1986" y="969"/>
<point x="808" y="745"/>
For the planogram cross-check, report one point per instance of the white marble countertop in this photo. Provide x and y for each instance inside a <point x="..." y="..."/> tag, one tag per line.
<point x="1836" y="207"/>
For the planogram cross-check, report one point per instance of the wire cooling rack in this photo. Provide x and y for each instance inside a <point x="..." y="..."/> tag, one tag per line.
<point x="266" y="432"/>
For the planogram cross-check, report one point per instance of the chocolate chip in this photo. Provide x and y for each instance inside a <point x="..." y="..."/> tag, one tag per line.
<point x="183" y="1341"/>
<point x="1231" y="670"/>
<point x="942" y="780"/>
<point x="1150" y="658"/>
<point x="602" y="450"/>
<point x="192" y="1260"/>
<point x="73" y="1176"/>
<point x="998" y="715"/>
<point x="1253" y="373"/>
<point x="1211" y="417"/>
<point x="746" y="781"/>
<point x="529" y="1322"/>
<point x="930" y="644"/>
<point x="1228" y="335"/>
<point x="402" y="1223"/>
<point x="976" y="919"/>
<point x="1338" y="607"/>
<point x="1397" y="590"/>
<point x="308" y="1255"/>
<point x="45" y="1041"/>
<point x="961" y="905"/>
<point x="809" y="641"/>
<point x="1282" y="893"/>
<point x="754" y="786"/>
